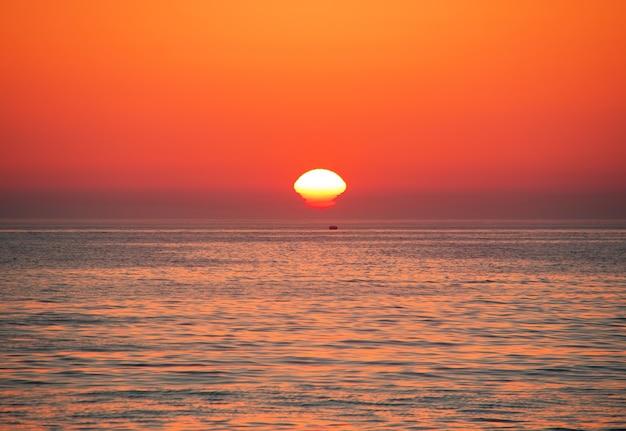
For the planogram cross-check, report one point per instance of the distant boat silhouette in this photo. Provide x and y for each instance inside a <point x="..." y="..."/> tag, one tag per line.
<point x="332" y="227"/>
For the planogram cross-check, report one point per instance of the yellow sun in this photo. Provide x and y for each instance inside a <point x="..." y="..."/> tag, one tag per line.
<point x="319" y="188"/>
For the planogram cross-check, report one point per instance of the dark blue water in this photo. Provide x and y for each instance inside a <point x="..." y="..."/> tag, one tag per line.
<point x="281" y="326"/>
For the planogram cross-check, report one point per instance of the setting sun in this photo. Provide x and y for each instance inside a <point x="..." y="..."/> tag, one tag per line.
<point x="319" y="188"/>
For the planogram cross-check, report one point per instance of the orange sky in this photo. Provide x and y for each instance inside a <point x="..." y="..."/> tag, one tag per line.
<point x="399" y="97"/>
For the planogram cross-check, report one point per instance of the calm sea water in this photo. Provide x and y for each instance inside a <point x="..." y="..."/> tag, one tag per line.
<point x="283" y="326"/>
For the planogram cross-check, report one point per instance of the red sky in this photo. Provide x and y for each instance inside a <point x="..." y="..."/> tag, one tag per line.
<point x="233" y="100"/>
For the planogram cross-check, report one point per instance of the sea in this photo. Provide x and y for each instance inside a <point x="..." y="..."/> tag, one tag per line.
<point x="288" y="325"/>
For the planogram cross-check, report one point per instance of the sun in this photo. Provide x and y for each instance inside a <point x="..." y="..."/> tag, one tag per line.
<point x="319" y="188"/>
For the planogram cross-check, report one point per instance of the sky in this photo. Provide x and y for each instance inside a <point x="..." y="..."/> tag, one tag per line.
<point x="427" y="109"/>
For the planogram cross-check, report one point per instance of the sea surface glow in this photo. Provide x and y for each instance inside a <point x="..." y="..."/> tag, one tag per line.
<point x="291" y="326"/>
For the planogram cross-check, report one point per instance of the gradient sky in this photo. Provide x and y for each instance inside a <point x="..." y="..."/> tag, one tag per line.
<point x="216" y="107"/>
